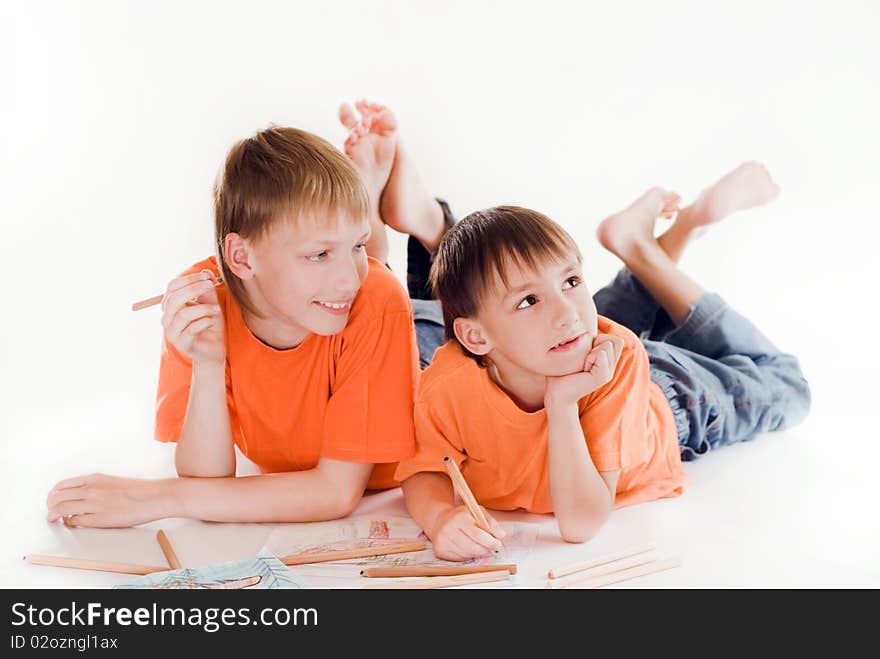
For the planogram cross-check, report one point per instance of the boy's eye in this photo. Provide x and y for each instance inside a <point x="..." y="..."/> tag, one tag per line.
<point x="360" y="247"/>
<point x="320" y="256"/>
<point x="571" y="282"/>
<point x="527" y="301"/>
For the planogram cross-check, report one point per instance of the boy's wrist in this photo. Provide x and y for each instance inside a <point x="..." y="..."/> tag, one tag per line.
<point x="169" y="499"/>
<point x="556" y="407"/>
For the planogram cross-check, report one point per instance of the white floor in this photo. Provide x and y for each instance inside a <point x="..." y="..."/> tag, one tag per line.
<point x="789" y="510"/>
<point x="107" y="169"/>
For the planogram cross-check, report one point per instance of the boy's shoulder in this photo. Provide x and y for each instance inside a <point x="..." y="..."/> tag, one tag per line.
<point x="630" y="340"/>
<point x="381" y="293"/>
<point x="451" y="374"/>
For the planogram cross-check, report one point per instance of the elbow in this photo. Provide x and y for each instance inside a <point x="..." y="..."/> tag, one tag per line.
<point x="186" y="467"/>
<point x="345" y="505"/>
<point x="578" y="531"/>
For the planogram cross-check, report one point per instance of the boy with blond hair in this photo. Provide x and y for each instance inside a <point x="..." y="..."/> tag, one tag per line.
<point x="304" y="357"/>
<point x="551" y="400"/>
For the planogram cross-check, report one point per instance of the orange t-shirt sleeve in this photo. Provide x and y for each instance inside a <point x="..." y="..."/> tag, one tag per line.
<point x="432" y="445"/>
<point x="175" y="376"/>
<point x="369" y="415"/>
<point x="614" y="419"/>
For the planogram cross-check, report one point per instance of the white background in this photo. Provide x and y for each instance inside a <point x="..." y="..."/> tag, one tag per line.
<point x="115" y="118"/>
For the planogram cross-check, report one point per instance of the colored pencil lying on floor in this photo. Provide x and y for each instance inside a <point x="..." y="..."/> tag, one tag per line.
<point x="442" y="582"/>
<point x="599" y="560"/>
<point x="624" y="575"/>
<point x="361" y="552"/>
<point x="605" y="568"/>
<point x="435" y="570"/>
<point x="168" y="550"/>
<point x="157" y="299"/>
<point x="89" y="564"/>
<point x="464" y="492"/>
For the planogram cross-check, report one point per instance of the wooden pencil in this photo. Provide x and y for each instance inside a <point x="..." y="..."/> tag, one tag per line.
<point x="89" y="564"/>
<point x="443" y="582"/>
<point x="435" y="570"/>
<point x="157" y="299"/>
<point x="599" y="560"/>
<point x="168" y="550"/>
<point x="624" y="575"/>
<point x="605" y="568"/>
<point x="467" y="497"/>
<point x="361" y="552"/>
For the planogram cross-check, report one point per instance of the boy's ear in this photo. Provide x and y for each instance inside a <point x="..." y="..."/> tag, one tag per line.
<point x="238" y="256"/>
<point x="470" y="334"/>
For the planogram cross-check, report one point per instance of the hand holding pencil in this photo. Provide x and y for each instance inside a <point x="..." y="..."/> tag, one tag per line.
<point x="467" y="531"/>
<point x="193" y="320"/>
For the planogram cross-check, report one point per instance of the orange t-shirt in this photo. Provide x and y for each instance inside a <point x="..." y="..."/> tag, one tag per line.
<point x="502" y="450"/>
<point x="348" y="396"/>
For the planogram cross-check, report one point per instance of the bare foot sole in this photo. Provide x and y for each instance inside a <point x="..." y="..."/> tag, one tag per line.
<point x="747" y="186"/>
<point x="634" y="226"/>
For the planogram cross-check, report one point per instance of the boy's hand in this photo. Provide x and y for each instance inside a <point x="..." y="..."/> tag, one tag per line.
<point x="102" y="501"/>
<point x="456" y="537"/>
<point x="192" y="318"/>
<point x="597" y="371"/>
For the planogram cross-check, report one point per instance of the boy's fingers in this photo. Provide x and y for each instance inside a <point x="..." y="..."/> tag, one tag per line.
<point x="198" y="326"/>
<point x="189" y="314"/>
<point x="186" y="280"/>
<point x="497" y="530"/>
<point x="79" y="520"/>
<point x="76" y="481"/>
<point x="484" y="540"/>
<point x="181" y="296"/>
<point x="467" y="546"/>
<point x="67" y="494"/>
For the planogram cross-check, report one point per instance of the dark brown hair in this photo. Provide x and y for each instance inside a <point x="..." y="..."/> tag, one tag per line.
<point x="484" y="245"/>
<point x="281" y="172"/>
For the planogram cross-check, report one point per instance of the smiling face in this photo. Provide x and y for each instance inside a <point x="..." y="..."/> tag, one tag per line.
<point x="302" y="275"/>
<point x="541" y="322"/>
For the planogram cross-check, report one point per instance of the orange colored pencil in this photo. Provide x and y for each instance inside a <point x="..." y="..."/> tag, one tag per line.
<point x="443" y="582"/>
<point x="89" y="564"/>
<point x="361" y="552"/>
<point x="168" y="550"/>
<point x="435" y="570"/>
<point x="157" y="299"/>
<point x="461" y="487"/>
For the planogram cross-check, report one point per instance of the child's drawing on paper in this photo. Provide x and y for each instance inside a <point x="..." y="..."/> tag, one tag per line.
<point x="264" y="571"/>
<point x="374" y="532"/>
<point x="350" y="533"/>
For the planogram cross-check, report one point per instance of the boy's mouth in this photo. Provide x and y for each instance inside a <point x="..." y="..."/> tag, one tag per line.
<point x="568" y="344"/>
<point x="336" y="308"/>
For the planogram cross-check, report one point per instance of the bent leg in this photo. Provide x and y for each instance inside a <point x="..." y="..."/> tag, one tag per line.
<point x="725" y="379"/>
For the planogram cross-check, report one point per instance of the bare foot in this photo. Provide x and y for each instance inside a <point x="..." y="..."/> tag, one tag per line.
<point x="633" y="227"/>
<point x="406" y="205"/>
<point x="371" y="144"/>
<point x="746" y="186"/>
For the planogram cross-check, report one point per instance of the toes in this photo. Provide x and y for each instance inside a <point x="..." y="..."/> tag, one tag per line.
<point x="347" y="116"/>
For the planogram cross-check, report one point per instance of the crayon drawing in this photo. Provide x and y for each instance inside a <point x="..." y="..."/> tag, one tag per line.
<point x="263" y="571"/>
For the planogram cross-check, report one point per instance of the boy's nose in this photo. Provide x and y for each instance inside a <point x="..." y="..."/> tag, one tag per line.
<point x="565" y="314"/>
<point x="347" y="279"/>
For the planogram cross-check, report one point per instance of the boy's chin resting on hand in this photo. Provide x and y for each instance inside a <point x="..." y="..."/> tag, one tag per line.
<point x="101" y="501"/>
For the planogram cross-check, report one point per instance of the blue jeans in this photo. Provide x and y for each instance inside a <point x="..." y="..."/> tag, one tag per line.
<point x="430" y="332"/>
<point x="725" y="381"/>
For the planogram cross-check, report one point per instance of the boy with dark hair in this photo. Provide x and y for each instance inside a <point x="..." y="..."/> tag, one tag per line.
<point x="551" y="400"/>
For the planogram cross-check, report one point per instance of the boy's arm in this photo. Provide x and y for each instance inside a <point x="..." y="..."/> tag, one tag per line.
<point x="205" y="447"/>
<point x="428" y="494"/>
<point x="331" y="490"/>
<point x="452" y="530"/>
<point x="582" y="496"/>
